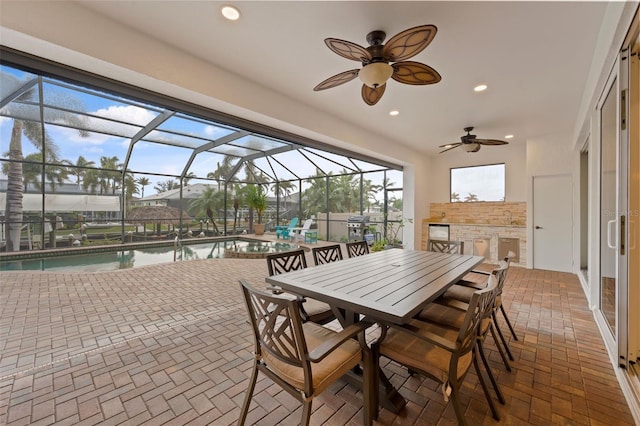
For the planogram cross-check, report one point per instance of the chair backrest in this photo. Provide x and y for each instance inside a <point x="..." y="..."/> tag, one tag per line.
<point x="501" y="275"/>
<point x="277" y="327"/>
<point x="446" y="246"/>
<point x="287" y="261"/>
<point x="480" y="306"/>
<point x="293" y="223"/>
<point x="326" y="254"/>
<point x="307" y="224"/>
<point x="357" y="248"/>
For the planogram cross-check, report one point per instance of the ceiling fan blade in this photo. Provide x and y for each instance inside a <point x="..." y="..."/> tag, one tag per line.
<point x="450" y="147"/>
<point x="337" y="80"/>
<point x="408" y="43"/>
<point x="415" y="73"/>
<point x="490" y="142"/>
<point x="348" y="50"/>
<point x="372" y="96"/>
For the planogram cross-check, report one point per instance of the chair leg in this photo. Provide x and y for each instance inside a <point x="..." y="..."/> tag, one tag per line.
<point x="504" y="341"/>
<point x="455" y="400"/>
<point x="505" y="361"/>
<point x="306" y="412"/>
<point x="490" y="373"/>
<point x="248" y="396"/>
<point x="506" y="318"/>
<point x="492" y="406"/>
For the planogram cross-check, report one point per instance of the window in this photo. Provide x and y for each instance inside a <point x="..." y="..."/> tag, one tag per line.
<point x="478" y="183"/>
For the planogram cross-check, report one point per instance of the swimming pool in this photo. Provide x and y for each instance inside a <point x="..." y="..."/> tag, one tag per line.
<point x="132" y="258"/>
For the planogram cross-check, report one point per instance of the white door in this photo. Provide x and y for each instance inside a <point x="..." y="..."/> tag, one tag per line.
<point x="552" y="223"/>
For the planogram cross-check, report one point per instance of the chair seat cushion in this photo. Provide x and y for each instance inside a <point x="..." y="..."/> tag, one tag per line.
<point x="421" y="355"/>
<point x="325" y="372"/>
<point x="446" y="316"/>
<point x="315" y="307"/>
<point x="459" y="292"/>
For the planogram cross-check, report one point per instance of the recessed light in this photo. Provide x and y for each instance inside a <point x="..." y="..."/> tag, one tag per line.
<point x="480" y="88"/>
<point x="394" y="112"/>
<point x="508" y="137"/>
<point x="230" y="12"/>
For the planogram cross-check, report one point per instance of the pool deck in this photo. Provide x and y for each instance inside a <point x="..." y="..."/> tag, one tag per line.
<point x="170" y="344"/>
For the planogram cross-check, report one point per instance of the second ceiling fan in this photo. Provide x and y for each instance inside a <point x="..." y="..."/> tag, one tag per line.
<point x="470" y="143"/>
<point x="383" y="61"/>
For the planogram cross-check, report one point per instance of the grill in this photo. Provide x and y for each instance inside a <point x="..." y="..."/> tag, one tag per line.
<point x="356" y="226"/>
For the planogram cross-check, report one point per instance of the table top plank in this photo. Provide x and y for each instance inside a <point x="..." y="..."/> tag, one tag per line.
<point x="391" y="285"/>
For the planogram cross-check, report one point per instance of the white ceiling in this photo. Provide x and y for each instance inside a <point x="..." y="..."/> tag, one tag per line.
<point x="534" y="56"/>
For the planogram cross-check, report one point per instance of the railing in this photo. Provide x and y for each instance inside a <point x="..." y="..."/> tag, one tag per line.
<point x="177" y="245"/>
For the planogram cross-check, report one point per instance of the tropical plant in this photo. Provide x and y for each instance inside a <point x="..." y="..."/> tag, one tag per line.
<point x="167" y="185"/>
<point x="36" y="133"/>
<point x="470" y="198"/>
<point x="143" y="181"/>
<point x="283" y="189"/>
<point x="210" y="201"/>
<point x="79" y="169"/>
<point x="257" y="200"/>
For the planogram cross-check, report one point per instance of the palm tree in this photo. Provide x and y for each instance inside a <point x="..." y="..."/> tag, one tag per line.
<point x="79" y="168"/>
<point x="111" y="173"/>
<point x="33" y="131"/>
<point x="369" y="191"/>
<point x="187" y="178"/>
<point x="210" y="201"/>
<point x="283" y="189"/>
<point x="223" y="171"/>
<point x="167" y="185"/>
<point x="143" y="181"/>
<point x="470" y="198"/>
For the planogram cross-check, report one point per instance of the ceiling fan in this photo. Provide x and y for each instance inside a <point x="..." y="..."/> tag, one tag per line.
<point x="470" y="143"/>
<point x="381" y="61"/>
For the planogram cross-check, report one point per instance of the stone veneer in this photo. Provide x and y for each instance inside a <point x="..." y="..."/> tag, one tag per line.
<point x="482" y="220"/>
<point x="481" y="212"/>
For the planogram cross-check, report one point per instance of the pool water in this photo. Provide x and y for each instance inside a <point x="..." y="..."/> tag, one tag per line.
<point x="124" y="259"/>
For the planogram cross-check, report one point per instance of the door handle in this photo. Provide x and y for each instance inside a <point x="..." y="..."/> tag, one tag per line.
<point x="609" y="234"/>
<point x="538" y="227"/>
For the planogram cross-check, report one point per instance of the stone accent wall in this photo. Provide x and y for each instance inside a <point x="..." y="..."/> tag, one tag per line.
<point x="470" y="232"/>
<point x="485" y="213"/>
<point x="474" y="221"/>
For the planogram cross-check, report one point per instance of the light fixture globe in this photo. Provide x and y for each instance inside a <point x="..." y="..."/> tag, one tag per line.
<point x="470" y="147"/>
<point x="375" y="74"/>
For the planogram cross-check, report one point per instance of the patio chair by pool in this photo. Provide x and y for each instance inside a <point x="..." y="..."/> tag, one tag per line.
<point x="300" y="233"/>
<point x="283" y="230"/>
<point x="303" y="358"/>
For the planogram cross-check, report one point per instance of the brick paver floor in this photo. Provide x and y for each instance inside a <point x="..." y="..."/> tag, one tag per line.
<point x="170" y="344"/>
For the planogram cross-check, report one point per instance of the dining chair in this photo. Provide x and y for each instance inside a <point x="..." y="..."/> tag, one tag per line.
<point x="302" y="358"/>
<point x="311" y="309"/>
<point x="452" y="315"/>
<point x="462" y="292"/>
<point x="446" y="246"/>
<point x="357" y="248"/>
<point x="442" y="353"/>
<point x="326" y="254"/>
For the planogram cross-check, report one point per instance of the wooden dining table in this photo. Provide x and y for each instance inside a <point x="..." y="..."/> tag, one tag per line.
<point x="387" y="287"/>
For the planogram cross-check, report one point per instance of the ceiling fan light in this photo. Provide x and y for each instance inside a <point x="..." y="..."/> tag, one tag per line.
<point x="470" y="147"/>
<point x="375" y="74"/>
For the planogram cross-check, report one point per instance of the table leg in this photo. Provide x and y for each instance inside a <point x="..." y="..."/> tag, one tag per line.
<point x="387" y="395"/>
